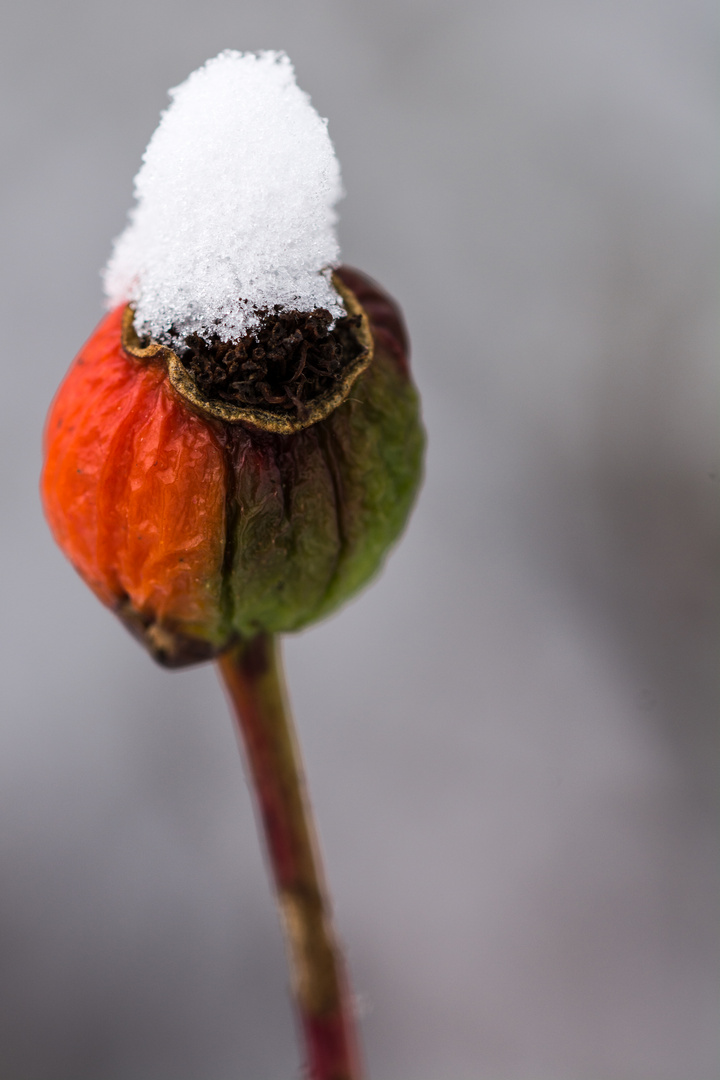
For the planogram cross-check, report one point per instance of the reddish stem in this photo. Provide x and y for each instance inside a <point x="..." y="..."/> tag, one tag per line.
<point x="253" y="677"/>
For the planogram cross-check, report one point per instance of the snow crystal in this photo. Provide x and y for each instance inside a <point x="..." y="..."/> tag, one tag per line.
<point x="234" y="205"/>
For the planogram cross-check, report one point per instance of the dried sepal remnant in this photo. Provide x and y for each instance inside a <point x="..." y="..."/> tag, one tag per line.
<point x="198" y="529"/>
<point x="288" y="360"/>
<point x="354" y="339"/>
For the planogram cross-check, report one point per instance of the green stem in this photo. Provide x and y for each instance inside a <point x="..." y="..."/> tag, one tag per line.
<point x="253" y="678"/>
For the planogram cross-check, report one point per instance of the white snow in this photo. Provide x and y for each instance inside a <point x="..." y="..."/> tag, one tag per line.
<point x="234" y="204"/>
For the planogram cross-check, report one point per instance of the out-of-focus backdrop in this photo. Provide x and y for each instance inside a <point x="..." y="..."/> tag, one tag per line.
<point x="511" y="737"/>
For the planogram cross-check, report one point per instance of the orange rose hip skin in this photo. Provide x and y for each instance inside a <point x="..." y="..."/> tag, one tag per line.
<point x="134" y="491"/>
<point x="197" y="531"/>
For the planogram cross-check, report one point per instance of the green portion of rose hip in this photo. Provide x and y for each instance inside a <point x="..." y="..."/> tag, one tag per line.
<point x="316" y="512"/>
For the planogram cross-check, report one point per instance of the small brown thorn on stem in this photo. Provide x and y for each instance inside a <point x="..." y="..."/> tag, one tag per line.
<point x="253" y="678"/>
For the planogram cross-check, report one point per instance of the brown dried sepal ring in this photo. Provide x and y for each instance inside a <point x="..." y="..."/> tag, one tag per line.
<point x="266" y="419"/>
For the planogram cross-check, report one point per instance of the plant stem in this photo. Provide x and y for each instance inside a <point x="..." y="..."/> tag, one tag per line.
<point x="252" y="673"/>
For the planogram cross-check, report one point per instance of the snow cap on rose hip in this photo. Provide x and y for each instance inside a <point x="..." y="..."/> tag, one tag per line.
<point x="239" y="442"/>
<point x="235" y="205"/>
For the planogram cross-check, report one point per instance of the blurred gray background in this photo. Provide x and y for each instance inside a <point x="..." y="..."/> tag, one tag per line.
<point x="511" y="737"/>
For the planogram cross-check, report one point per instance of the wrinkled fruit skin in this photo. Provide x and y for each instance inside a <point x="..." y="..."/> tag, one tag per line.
<point x="197" y="532"/>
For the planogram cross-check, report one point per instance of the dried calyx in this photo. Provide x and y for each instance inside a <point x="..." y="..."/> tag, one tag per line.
<point x="288" y="373"/>
<point x="286" y="362"/>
